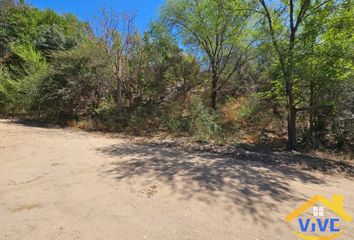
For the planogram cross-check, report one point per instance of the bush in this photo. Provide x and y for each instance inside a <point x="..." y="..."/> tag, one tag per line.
<point x="250" y="107"/>
<point x="4" y="78"/>
<point x="105" y="114"/>
<point x="204" y="122"/>
<point x="136" y="119"/>
<point x="177" y="124"/>
<point x="174" y="119"/>
<point x="28" y="76"/>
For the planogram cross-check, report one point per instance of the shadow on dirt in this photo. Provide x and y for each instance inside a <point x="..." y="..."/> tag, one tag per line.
<point x="35" y="123"/>
<point x="277" y="156"/>
<point x="243" y="186"/>
<point x="269" y="154"/>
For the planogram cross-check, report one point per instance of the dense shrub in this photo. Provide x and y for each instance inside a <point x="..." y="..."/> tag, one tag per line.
<point x="203" y="121"/>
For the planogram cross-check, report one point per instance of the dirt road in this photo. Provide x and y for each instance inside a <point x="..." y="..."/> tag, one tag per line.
<point x="63" y="184"/>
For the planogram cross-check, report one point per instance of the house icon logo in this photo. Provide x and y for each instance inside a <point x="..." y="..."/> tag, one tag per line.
<point x="319" y="226"/>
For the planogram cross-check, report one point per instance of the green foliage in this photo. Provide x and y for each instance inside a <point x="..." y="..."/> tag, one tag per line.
<point x="203" y="123"/>
<point x="34" y="67"/>
<point x="105" y="114"/>
<point x="51" y="37"/>
<point x="20" y="89"/>
<point x="175" y="121"/>
<point x="250" y="107"/>
<point x="53" y="66"/>
<point x="165" y="64"/>
<point x="5" y="89"/>
<point x="28" y="36"/>
<point x="71" y="88"/>
<point x="44" y="30"/>
<point x="177" y="124"/>
<point x="216" y="29"/>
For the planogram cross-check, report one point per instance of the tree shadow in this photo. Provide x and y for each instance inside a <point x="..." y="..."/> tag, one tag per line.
<point x="34" y="123"/>
<point x="277" y="155"/>
<point x="253" y="188"/>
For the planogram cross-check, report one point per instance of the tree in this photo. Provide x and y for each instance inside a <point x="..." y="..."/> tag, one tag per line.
<point x="298" y="53"/>
<point x="117" y="31"/>
<point x="28" y="74"/>
<point x="284" y="23"/>
<point x="75" y="83"/>
<point x="168" y="71"/>
<point x="45" y="30"/>
<point x="325" y="72"/>
<point x="28" y="37"/>
<point x="216" y="27"/>
<point x="5" y="5"/>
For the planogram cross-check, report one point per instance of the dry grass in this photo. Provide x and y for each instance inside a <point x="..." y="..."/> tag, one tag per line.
<point x="258" y="127"/>
<point x="345" y="157"/>
<point x="231" y="108"/>
<point x="82" y="124"/>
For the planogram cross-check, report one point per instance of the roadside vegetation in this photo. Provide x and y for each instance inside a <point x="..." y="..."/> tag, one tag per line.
<point x="223" y="71"/>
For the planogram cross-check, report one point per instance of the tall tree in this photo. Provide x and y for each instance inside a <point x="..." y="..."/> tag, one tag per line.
<point x="325" y="71"/>
<point x="169" y="71"/>
<point x="117" y="32"/>
<point x="285" y="20"/>
<point x="215" y="27"/>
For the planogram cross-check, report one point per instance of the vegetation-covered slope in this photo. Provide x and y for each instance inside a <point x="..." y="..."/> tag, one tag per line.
<point x="212" y="69"/>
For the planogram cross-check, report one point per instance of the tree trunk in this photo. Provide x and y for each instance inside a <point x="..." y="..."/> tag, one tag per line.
<point x="119" y="97"/>
<point x="214" y="83"/>
<point x="291" y="128"/>
<point x="312" y="112"/>
<point x="291" y="115"/>
<point x="119" y="88"/>
<point x="289" y="87"/>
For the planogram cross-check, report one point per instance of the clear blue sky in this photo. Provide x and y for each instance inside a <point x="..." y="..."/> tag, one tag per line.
<point x="85" y="10"/>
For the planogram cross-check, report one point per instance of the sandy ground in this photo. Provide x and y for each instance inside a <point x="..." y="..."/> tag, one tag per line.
<point x="63" y="184"/>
